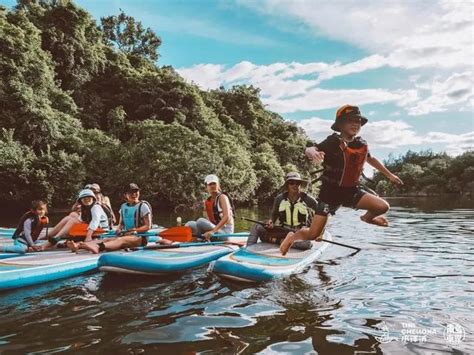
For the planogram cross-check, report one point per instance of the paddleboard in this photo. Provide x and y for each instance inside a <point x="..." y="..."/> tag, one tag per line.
<point x="263" y="261"/>
<point x="37" y="268"/>
<point x="162" y="261"/>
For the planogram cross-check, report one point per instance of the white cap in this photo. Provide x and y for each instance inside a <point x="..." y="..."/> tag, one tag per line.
<point x="210" y="179"/>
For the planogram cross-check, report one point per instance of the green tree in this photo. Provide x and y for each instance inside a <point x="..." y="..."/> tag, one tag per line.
<point x="130" y="36"/>
<point x="270" y="174"/>
<point x="16" y="162"/>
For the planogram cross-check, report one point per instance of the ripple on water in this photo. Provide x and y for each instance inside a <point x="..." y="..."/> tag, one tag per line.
<point x="418" y="273"/>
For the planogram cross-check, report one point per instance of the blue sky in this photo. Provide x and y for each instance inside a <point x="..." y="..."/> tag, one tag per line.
<point x="408" y="65"/>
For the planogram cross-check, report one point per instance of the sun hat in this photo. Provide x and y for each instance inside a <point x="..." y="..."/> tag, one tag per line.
<point x="85" y="193"/>
<point x="345" y="112"/>
<point x="294" y="176"/>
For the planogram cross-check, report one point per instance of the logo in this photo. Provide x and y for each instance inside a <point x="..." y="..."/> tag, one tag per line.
<point x="385" y="336"/>
<point x="454" y="333"/>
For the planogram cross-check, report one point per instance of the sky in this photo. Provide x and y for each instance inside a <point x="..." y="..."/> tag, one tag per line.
<point x="408" y="65"/>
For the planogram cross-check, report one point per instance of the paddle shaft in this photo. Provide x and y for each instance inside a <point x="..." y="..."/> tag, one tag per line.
<point x="322" y="239"/>
<point x="186" y="245"/>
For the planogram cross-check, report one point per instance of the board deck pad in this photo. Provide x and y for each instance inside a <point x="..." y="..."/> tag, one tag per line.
<point x="263" y="261"/>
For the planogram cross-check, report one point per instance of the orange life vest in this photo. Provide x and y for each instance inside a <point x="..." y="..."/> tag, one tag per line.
<point x="354" y="160"/>
<point x="212" y="208"/>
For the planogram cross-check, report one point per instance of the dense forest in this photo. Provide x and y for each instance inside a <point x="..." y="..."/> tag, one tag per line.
<point x="426" y="173"/>
<point x="86" y="102"/>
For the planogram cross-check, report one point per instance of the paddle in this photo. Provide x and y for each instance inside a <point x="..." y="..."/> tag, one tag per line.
<point x="186" y="245"/>
<point x="176" y="234"/>
<point x="226" y="235"/>
<point x="325" y="240"/>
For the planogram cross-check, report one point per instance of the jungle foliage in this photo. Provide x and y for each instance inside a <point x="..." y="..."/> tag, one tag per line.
<point x="86" y="102"/>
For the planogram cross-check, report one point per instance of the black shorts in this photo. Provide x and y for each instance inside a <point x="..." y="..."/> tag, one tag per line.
<point x="332" y="197"/>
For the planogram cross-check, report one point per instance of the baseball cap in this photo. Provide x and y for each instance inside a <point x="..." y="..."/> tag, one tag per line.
<point x="131" y="187"/>
<point x="210" y="179"/>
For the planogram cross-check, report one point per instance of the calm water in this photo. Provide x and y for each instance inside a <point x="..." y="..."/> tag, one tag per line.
<point x="413" y="278"/>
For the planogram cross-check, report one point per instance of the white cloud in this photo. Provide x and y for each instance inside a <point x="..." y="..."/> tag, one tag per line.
<point x="316" y="128"/>
<point x="390" y="134"/>
<point x="320" y="99"/>
<point x="292" y="87"/>
<point x="443" y="94"/>
<point x="393" y="134"/>
<point x="431" y="36"/>
<point x="208" y="76"/>
<point x="406" y="34"/>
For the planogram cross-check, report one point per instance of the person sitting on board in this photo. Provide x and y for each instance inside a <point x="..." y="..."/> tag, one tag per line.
<point x="92" y="221"/>
<point x="219" y="210"/>
<point x="135" y="217"/>
<point x="292" y="209"/>
<point x="30" y="226"/>
<point x="343" y="156"/>
<point x="103" y="201"/>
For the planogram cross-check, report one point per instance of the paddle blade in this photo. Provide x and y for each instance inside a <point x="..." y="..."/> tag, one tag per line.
<point x="177" y="234"/>
<point x="80" y="230"/>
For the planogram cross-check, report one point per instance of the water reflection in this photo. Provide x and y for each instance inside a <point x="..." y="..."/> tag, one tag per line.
<point x="417" y="274"/>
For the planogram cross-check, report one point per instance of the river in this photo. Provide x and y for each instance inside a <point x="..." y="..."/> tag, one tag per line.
<point x="409" y="290"/>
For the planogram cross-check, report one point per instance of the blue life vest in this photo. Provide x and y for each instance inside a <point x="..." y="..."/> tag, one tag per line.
<point x="131" y="215"/>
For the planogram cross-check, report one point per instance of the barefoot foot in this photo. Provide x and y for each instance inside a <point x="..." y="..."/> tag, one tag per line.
<point x="92" y="247"/>
<point x="72" y="246"/>
<point x="286" y="243"/>
<point x="380" y="221"/>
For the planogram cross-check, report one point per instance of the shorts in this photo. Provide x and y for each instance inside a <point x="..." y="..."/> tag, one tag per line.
<point x="332" y="197"/>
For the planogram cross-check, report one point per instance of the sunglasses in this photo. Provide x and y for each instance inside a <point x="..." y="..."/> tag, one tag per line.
<point x="353" y="120"/>
<point x="211" y="184"/>
<point x="294" y="182"/>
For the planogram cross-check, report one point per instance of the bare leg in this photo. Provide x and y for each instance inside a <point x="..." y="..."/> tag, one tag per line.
<point x="73" y="216"/>
<point x="67" y="227"/>
<point x="376" y="208"/>
<point x="53" y="232"/>
<point x="112" y="244"/>
<point x="92" y="247"/>
<point x="314" y="232"/>
<point x="123" y="242"/>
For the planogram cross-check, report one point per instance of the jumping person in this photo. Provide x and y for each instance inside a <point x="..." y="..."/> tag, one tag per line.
<point x="219" y="210"/>
<point x="291" y="210"/>
<point x="343" y="156"/>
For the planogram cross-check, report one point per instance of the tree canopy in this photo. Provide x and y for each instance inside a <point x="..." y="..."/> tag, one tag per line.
<point x="87" y="102"/>
<point x="427" y="173"/>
